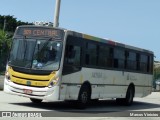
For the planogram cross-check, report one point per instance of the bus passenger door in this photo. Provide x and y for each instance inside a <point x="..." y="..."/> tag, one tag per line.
<point x="71" y="73"/>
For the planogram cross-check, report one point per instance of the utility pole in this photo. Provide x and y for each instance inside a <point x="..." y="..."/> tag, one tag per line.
<point x="57" y="11"/>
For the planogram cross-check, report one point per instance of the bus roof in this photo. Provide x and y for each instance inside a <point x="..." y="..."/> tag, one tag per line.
<point x="107" y="41"/>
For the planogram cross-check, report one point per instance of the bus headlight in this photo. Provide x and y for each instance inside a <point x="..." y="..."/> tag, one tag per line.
<point x="53" y="82"/>
<point x="7" y="75"/>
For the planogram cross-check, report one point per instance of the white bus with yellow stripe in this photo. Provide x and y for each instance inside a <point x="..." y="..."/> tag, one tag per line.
<point x="56" y="64"/>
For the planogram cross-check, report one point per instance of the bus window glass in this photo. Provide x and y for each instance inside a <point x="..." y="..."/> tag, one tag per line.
<point x="91" y="54"/>
<point x="22" y="52"/>
<point x="73" y="54"/>
<point x="143" y="63"/>
<point x="38" y="54"/>
<point x="119" y="56"/>
<point x="103" y="56"/>
<point x="151" y="64"/>
<point x="47" y="54"/>
<point x="131" y="61"/>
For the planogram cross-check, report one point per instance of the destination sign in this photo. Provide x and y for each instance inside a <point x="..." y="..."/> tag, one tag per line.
<point x="39" y="31"/>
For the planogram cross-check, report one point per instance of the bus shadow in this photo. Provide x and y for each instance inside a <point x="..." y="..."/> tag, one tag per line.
<point x="100" y="106"/>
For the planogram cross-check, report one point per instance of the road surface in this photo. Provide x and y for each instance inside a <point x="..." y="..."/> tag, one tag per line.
<point x="101" y="110"/>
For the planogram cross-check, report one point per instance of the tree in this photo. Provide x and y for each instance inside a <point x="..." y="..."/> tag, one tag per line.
<point x="11" y="23"/>
<point x="5" y="43"/>
<point x="8" y="25"/>
<point x="156" y="72"/>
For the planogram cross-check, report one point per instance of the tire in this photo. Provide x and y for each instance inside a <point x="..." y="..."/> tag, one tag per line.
<point x="84" y="97"/>
<point x="128" y="100"/>
<point x="129" y="96"/>
<point x="36" y="100"/>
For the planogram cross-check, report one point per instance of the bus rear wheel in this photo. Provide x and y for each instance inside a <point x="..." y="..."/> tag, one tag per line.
<point x="36" y="100"/>
<point x="129" y="96"/>
<point x="128" y="100"/>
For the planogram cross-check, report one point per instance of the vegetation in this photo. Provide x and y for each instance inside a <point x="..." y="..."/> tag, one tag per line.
<point x="157" y="73"/>
<point x="156" y="70"/>
<point x="5" y="43"/>
<point x="8" y="25"/>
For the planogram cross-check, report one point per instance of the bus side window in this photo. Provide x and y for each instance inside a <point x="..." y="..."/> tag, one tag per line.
<point x="91" y="54"/>
<point x="138" y="61"/>
<point x="103" y="58"/>
<point x="148" y="61"/>
<point x="72" y="55"/>
<point x="110" y="58"/>
<point x="143" y="63"/>
<point x="132" y="60"/>
<point x="151" y="64"/>
<point x="119" y="57"/>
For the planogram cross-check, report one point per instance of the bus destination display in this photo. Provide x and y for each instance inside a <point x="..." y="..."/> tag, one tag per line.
<point x="33" y="31"/>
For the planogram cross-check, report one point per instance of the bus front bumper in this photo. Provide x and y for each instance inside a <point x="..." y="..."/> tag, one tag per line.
<point x="45" y="93"/>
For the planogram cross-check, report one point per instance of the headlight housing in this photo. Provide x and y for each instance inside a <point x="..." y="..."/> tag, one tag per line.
<point x="7" y="75"/>
<point x="53" y="82"/>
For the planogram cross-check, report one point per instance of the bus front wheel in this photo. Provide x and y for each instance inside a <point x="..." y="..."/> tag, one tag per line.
<point x="84" y="97"/>
<point x="35" y="100"/>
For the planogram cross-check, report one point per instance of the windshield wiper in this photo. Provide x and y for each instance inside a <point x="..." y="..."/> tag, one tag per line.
<point x="46" y="43"/>
<point x="40" y="50"/>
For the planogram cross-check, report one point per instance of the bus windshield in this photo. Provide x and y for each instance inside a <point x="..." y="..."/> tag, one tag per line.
<point x="41" y="54"/>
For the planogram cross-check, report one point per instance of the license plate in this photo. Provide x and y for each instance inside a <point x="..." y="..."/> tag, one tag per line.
<point x="27" y="91"/>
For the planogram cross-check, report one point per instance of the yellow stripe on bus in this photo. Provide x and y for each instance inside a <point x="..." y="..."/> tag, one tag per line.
<point x="29" y="82"/>
<point x="34" y="77"/>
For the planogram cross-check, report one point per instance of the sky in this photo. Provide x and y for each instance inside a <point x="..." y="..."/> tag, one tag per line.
<point x="132" y="22"/>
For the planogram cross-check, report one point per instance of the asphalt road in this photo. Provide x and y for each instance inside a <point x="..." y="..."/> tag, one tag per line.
<point x="101" y="110"/>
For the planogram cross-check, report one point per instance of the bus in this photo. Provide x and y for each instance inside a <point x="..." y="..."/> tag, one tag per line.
<point x="54" y="64"/>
